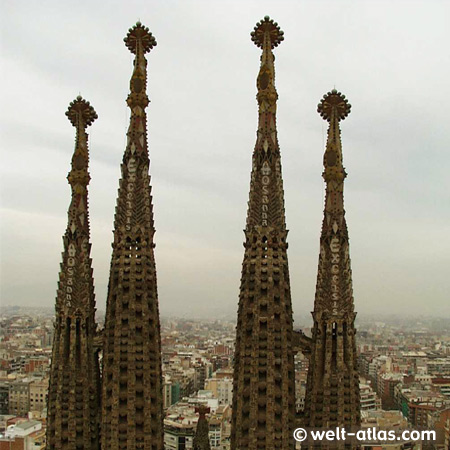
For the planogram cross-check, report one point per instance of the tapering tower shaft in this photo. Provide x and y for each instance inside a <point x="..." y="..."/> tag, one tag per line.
<point x="201" y="438"/>
<point x="74" y="390"/>
<point x="263" y="388"/>
<point x="132" y="407"/>
<point x="332" y="397"/>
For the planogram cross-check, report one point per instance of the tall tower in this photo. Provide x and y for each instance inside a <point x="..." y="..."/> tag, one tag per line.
<point x="332" y="397"/>
<point x="132" y="406"/>
<point x="263" y="387"/>
<point x="74" y="391"/>
<point x="201" y="438"/>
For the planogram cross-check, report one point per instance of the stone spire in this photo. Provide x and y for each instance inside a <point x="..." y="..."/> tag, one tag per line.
<point x="201" y="438"/>
<point x="332" y="397"/>
<point x="74" y="391"/>
<point x="263" y="387"/>
<point x="132" y="406"/>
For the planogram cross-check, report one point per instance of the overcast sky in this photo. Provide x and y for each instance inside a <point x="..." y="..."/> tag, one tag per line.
<point x="392" y="61"/>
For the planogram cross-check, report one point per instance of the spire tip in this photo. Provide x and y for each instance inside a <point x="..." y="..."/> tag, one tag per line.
<point x="267" y="25"/>
<point x="80" y="108"/>
<point x="139" y="33"/>
<point x="334" y="101"/>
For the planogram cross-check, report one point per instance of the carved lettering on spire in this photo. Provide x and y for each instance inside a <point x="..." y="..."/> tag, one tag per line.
<point x="263" y="388"/>
<point x="73" y="421"/>
<point x="332" y="395"/>
<point x="132" y="406"/>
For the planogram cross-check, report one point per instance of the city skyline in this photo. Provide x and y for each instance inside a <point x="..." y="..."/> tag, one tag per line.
<point x="397" y="363"/>
<point x="201" y="136"/>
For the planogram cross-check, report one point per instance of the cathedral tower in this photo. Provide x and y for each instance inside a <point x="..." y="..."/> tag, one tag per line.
<point x="263" y="388"/>
<point x="332" y="396"/>
<point x="201" y="438"/>
<point x="74" y="391"/>
<point x="132" y="406"/>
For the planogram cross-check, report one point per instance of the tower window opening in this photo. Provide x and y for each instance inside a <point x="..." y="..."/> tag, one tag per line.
<point x="334" y="343"/>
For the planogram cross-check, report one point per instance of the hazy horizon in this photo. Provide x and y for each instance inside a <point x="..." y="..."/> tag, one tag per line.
<point x="301" y="320"/>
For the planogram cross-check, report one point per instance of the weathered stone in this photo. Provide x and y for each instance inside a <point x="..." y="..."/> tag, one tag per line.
<point x="132" y="402"/>
<point x="74" y="392"/>
<point x="201" y="438"/>
<point x="263" y="387"/>
<point x="332" y="394"/>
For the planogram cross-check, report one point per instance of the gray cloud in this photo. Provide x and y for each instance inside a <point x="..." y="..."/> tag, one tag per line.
<point x="389" y="58"/>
